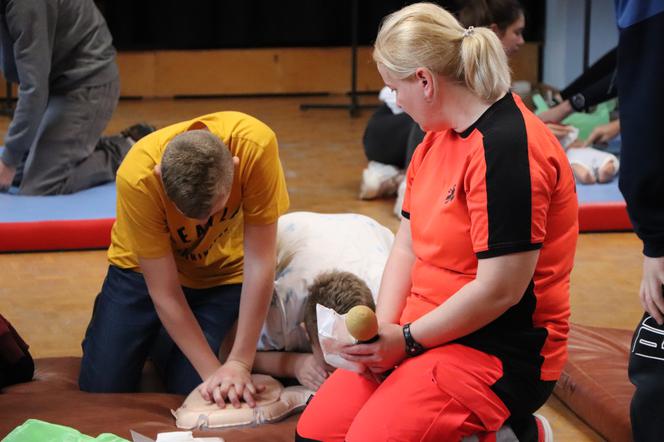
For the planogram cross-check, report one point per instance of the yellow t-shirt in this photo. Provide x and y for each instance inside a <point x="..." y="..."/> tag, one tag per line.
<point x="211" y="253"/>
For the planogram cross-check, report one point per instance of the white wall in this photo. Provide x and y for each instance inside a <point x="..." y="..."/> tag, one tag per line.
<point x="563" y="39"/>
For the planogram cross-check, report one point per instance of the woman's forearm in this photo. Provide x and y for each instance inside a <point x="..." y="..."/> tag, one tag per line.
<point x="500" y="283"/>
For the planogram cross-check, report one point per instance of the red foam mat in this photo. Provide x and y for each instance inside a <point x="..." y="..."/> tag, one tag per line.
<point x="96" y="233"/>
<point x="604" y="217"/>
<point x="55" y="235"/>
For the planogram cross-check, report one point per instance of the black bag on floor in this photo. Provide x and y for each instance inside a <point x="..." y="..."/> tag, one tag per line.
<point x="16" y="364"/>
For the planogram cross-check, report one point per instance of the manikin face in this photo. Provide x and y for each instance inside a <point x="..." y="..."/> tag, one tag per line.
<point x="410" y="95"/>
<point x="512" y="37"/>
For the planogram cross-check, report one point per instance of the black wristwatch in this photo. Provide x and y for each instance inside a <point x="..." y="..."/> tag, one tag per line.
<point x="413" y="348"/>
<point x="578" y="102"/>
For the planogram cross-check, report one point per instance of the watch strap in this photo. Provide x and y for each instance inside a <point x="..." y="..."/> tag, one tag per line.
<point x="413" y="348"/>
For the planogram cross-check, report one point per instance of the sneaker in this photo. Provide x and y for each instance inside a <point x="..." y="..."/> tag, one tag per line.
<point x="544" y="430"/>
<point x="379" y="180"/>
<point x="504" y="434"/>
<point x="138" y="131"/>
<point x="533" y="428"/>
<point x="116" y="147"/>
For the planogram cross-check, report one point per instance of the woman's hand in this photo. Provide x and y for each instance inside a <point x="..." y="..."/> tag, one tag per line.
<point x="231" y="382"/>
<point x="309" y="372"/>
<point x="604" y="133"/>
<point x="382" y="355"/>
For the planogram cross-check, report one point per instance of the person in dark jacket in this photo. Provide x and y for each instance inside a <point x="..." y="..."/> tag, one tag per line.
<point x="60" y="53"/>
<point x="641" y="94"/>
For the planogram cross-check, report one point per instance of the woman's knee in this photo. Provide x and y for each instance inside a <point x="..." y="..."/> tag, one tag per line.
<point x="333" y="408"/>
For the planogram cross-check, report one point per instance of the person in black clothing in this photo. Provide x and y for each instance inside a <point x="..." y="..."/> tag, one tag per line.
<point x="641" y="95"/>
<point x="594" y="86"/>
<point x="391" y="136"/>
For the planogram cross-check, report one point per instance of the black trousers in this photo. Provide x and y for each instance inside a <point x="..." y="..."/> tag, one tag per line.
<point x="386" y="137"/>
<point x="391" y="139"/>
<point x="646" y="372"/>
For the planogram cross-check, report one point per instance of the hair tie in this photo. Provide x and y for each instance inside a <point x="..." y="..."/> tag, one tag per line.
<point x="469" y="31"/>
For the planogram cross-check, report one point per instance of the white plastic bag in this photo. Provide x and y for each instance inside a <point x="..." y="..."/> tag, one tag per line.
<point x="333" y="335"/>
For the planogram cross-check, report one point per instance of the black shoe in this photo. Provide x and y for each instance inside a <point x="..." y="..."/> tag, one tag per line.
<point x="138" y="131"/>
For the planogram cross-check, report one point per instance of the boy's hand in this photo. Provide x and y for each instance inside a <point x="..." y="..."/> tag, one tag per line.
<point x="231" y="383"/>
<point x="6" y="176"/>
<point x="309" y="373"/>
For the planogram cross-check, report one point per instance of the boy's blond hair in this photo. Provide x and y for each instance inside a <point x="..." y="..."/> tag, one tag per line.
<point x="196" y="168"/>
<point x="337" y="290"/>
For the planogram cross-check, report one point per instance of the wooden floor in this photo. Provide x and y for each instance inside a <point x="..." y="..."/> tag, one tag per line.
<point x="48" y="296"/>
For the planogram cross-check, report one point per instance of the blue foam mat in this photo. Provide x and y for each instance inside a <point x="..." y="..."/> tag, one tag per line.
<point x="599" y="193"/>
<point x="95" y="203"/>
<point x="99" y="203"/>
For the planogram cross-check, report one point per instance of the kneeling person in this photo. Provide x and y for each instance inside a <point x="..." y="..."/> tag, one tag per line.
<point x="193" y="247"/>
<point x="335" y="260"/>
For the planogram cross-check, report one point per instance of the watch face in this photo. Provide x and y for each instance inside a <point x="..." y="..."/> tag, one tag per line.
<point x="578" y="101"/>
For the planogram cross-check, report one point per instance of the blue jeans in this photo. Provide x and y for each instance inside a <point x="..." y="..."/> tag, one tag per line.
<point x="125" y="326"/>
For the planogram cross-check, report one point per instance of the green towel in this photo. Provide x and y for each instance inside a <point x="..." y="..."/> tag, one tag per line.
<point x="34" y="430"/>
<point x="583" y="121"/>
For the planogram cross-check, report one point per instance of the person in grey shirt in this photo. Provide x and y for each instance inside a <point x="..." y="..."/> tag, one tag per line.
<point x="60" y="53"/>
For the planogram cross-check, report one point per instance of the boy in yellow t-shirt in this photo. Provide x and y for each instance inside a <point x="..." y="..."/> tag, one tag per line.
<point x="192" y="249"/>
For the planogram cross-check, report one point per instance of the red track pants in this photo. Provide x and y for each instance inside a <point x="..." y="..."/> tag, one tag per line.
<point x="442" y="395"/>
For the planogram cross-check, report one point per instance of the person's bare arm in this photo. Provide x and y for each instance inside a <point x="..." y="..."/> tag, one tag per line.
<point x="396" y="282"/>
<point x="557" y="113"/>
<point x="500" y="284"/>
<point x="302" y="366"/>
<point x="161" y="277"/>
<point x="232" y="381"/>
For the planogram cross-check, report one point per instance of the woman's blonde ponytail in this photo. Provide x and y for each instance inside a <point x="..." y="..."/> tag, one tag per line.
<point x="426" y="35"/>
<point x="484" y="64"/>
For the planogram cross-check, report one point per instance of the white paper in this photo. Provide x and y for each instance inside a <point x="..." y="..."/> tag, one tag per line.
<point x="173" y="436"/>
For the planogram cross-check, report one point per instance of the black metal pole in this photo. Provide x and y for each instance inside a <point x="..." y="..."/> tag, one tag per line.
<point x="586" y="34"/>
<point x="353" y="59"/>
<point x="354" y="105"/>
